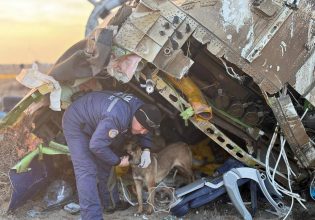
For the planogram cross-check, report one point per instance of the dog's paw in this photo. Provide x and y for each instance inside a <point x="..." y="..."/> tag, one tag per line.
<point x="137" y="214"/>
<point x="149" y="211"/>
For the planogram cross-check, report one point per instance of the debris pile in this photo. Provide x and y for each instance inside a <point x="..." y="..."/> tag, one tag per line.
<point x="15" y="143"/>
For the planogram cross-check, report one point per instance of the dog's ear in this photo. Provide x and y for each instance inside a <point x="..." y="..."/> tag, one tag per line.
<point x="130" y="146"/>
<point x="133" y="142"/>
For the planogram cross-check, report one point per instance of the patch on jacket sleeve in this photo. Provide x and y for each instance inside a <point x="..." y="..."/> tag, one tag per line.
<point x="113" y="133"/>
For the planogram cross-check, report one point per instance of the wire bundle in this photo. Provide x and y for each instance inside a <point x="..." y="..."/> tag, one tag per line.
<point x="271" y="175"/>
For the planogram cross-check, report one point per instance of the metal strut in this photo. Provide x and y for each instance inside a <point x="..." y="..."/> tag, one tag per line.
<point x="230" y="182"/>
<point x="208" y="128"/>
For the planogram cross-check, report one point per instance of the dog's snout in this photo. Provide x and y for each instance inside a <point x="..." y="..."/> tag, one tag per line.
<point x="130" y="157"/>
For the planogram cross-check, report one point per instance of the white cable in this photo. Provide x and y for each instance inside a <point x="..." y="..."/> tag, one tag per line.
<point x="125" y="193"/>
<point x="271" y="178"/>
<point x="228" y="69"/>
<point x="279" y="187"/>
<point x="273" y="140"/>
<point x="277" y="163"/>
<point x="173" y="200"/>
<point x="188" y="49"/>
<point x="282" y="142"/>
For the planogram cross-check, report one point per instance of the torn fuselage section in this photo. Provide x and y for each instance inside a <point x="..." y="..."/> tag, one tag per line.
<point x="245" y="48"/>
<point x="294" y="130"/>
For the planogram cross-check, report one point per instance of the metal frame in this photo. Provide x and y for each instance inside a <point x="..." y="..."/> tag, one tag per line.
<point x="208" y="128"/>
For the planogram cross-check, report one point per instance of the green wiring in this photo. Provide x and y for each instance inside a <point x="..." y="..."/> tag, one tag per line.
<point x="189" y="112"/>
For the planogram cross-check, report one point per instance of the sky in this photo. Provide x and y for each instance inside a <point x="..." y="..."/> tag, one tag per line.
<point x="40" y="30"/>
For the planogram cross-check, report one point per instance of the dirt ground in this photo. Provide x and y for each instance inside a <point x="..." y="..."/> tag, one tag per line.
<point x="219" y="210"/>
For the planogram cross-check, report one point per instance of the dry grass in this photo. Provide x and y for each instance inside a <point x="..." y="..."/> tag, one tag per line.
<point x="15" y="142"/>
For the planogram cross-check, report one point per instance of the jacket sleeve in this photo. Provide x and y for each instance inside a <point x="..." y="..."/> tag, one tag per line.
<point x="145" y="140"/>
<point x="100" y="142"/>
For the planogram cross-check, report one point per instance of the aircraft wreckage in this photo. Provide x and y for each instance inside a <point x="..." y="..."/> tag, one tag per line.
<point x="241" y="72"/>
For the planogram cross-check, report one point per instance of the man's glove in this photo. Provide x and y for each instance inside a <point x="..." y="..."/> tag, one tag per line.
<point x="145" y="158"/>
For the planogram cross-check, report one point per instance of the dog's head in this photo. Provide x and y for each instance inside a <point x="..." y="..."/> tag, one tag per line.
<point x="133" y="148"/>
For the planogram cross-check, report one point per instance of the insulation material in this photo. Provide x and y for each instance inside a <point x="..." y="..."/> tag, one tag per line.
<point x="203" y="158"/>
<point x="195" y="97"/>
<point x="32" y="78"/>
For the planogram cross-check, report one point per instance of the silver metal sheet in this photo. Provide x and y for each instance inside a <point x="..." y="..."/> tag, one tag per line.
<point x="165" y="56"/>
<point x="190" y="4"/>
<point x="147" y="48"/>
<point x="255" y="52"/>
<point x="173" y="62"/>
<point x="245" y="36"/>
<point x="179" y="66"/>
<point x="144" y="20"/>
<point x="183" y="32"/>
<point x="236" y="23"/>
<point x="158" y="26"/>
<point x="128" y="36"/>
<point x="214" y="45"/>
<point x="202" y="35"/>
<point x="285" y="53"/>
<point x="293" y="130"/>
<point x="268" y="8"/>
<point x="305" y="79"/>
<point x="169" y="11"/>
<point x="152" y="4"/>
<point x="274" y="42"/>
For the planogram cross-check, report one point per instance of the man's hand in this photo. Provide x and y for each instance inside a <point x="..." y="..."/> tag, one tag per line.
<point x="124" y="161"/>
<point x="145" y="158"/>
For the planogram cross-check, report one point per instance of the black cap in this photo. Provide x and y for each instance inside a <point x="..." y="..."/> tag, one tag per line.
<point x="149" y="116"/>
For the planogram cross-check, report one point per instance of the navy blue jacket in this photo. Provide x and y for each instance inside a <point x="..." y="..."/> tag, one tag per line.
<point x="102" y="115"/>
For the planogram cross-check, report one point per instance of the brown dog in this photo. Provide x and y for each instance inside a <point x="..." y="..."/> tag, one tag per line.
<point x="176" y="155"/>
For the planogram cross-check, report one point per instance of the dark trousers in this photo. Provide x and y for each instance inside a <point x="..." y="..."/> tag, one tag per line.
<point x="91" y="174"/>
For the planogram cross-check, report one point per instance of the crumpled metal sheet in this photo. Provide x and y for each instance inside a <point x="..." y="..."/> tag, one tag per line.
<point x="128" y="36"/>
<point x="267" y="43"/>
<point x="147" y="48"/>
<point x="158" y="35"/>
<point x="304" y="81"/>
<point x="293" y="130"/>
<point x="85" y="58"/>
<point x="144" y="20"/>
<point x="239" y="25"/>
<point x="173" y="62"/>
<point x="286" y="52"/>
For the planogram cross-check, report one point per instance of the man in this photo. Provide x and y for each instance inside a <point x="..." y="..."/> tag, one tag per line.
<point x="94" y="126"/>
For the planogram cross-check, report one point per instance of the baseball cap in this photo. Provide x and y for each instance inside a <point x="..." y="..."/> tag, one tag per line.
<point x="149" y="116"/>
